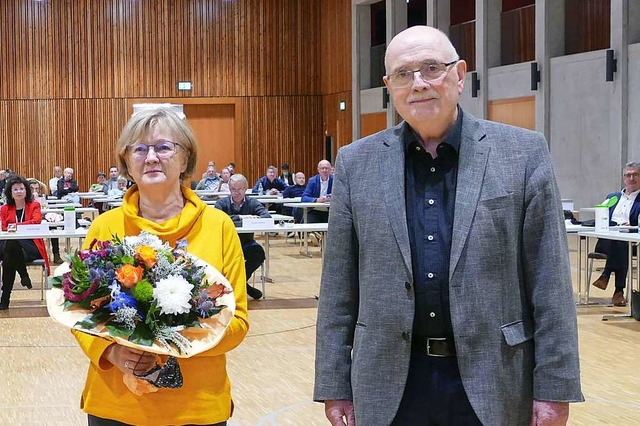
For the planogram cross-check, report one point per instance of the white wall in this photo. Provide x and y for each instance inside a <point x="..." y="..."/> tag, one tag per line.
<point x="587" y="163"/>
<point x="510" y="81"/>
<point x="634" y="103"/>
<point x="371" y="101"/>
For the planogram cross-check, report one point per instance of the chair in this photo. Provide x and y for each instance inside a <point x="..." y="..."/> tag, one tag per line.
<point x="263" y="279"/>
<point x="39" y="263"/>
<point x="591" y="258"/>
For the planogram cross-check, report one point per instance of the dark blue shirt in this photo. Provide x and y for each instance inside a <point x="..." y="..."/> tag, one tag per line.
<point x="430" y="189"/>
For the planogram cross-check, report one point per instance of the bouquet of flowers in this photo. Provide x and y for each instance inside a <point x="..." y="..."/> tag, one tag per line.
<point x="142" y="293"/>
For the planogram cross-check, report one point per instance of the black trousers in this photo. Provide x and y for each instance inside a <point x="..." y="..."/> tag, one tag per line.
<point x="14" y="259"/>
<point x="253" y="257"/>
<point x="617" y="260"/>
<point x="434" y="395"/>
<point x="98" y="421"/>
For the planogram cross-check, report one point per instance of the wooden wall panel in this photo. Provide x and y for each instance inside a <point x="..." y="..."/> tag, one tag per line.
<point x="335" y="63"/>
<point x="289" y="130"/>
<point x="587" y="25"/>
<point x="70" y="70"/>
<point x="338" y="124"/>
<point x="463" y="38"/>
<point x="373" y="123"/>
<point x="519" y="112"/>
<point x="518" y="40"/>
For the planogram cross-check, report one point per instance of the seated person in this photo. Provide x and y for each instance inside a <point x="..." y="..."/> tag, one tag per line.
<point x="286" y="176"/>
<point x="624" y="212"/>
<point x="120" y="190"/>
<point x="319" y="191"/>
<point x="112" y="183"/>
<point x="20" y="208"/>
<point x="38" y="191"/>
<point x="66" y="184"/>
<point x="210" y="180"/>
<point x="271" y="184"/>
<point x="237" y="205"/>
<point x="99" y="185"/>
<point x="295" y="191"/>
<point x="223" y="184"/>
<point x="53" y="182"/>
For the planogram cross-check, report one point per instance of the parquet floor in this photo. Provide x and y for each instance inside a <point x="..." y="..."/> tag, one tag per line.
<point x="42" y="370"/>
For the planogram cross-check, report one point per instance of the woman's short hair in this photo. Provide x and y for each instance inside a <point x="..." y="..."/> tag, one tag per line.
<point x="13" y="180"/>
<point x="140" y="125"/>
<point x="42" y="188"/>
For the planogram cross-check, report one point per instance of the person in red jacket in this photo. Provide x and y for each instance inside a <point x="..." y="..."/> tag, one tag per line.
<point x="20" y="208"/>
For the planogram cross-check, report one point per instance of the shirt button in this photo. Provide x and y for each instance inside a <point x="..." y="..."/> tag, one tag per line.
<point x="430" y="275"/>
<point x="431" y="202"/>
<point x="430" y="238"/>
<point x="407" y="285"/>
<point x="432" y="314"/>
<point x="417" y="148"/>
<point x="433" y="169"/>
<point x="406" y="335"/>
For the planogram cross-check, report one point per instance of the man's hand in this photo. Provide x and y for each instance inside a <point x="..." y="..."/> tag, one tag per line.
<point x="546" y="413"/>
<point x="322" y="199"/>
<point x="339" y="410"/>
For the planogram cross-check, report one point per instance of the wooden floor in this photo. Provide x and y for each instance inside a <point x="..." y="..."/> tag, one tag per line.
<point x="42" y="370"/>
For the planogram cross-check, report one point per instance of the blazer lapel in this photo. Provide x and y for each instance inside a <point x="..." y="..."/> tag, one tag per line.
<point x="391" y="163"/>
<point x="472" y="163"/>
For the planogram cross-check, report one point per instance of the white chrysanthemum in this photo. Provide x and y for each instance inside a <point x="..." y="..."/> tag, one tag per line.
<point x="173" y="295"/>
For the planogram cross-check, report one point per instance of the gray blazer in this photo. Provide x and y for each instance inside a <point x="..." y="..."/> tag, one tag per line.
<point x="512" y="307"/>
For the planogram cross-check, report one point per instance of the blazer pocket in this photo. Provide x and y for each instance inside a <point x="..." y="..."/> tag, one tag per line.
<point x="504" y="201"/>
<point x="516" y="333"/>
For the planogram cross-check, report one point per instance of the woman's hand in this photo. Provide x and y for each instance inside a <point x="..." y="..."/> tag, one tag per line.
<point x="129" y="360"/>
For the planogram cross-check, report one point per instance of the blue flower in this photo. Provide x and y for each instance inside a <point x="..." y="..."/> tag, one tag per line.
<point x="121" y="300"/>
<point x="182" y="244"/>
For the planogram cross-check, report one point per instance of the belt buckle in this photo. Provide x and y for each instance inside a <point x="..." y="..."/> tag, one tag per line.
<point x="429" y="340"/>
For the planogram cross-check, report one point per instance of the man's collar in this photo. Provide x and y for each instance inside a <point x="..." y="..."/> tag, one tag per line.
<point x="452" y="136"/>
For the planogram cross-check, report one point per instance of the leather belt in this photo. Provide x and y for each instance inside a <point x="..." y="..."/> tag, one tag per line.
<point x="434" y="346"/>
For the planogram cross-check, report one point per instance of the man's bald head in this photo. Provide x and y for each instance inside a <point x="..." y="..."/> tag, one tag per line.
<point x="420" y="35"/>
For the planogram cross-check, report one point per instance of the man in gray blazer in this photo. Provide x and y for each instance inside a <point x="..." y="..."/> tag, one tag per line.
<point x="447" y="301"/>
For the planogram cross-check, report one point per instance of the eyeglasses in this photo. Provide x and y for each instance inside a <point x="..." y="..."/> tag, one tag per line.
<point x="163" y="149"/>
<point x="629" y="175"/>
<point x="430" y="71"/>
<point x="18" y="189"/>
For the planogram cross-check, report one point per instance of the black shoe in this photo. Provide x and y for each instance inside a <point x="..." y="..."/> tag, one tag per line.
<point x="254" y="292"/>
<point x="3" y="307"/>
<point x="26" y="282"/>
<point x="57" y="260"/>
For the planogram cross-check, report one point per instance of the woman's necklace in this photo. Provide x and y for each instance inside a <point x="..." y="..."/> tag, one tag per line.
<point x="22" y="214"/>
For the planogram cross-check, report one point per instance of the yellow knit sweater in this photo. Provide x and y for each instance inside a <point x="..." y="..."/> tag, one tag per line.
<point x="206" y="394"/>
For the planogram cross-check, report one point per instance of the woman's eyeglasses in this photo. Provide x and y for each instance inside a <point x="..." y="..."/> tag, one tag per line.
<point x="164" y="150"/>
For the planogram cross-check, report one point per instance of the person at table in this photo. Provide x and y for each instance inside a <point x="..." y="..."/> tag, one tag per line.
<point x="286" y="176"/>
<point x="295" y="191"/>
<point x="624" y="212"/>
<point x="38" y="191"/>
<point x="20" y="209"/>
<point x="446" y="294"/>
<point x="319" y="191"/>
<point x="223" y="184"/>
<point x="98" y="185"/>
<point x="53" y="182"/>
<point x="3" y="180"/>
<point x="120" y="190"/>
<point x="271" y="184"/>
<point x="232" y="167"/>
<point x="112" y="182"/>
<point x="210" y="181"/>
<point x="236" y="205"/>
<point x="157" y="149"/>
<point x="66" y="185"/>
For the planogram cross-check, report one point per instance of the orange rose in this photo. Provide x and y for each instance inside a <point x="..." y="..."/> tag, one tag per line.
<point x="216" y="290"/>
<point x="129" y="275"/>
<point x="147" y="254"/>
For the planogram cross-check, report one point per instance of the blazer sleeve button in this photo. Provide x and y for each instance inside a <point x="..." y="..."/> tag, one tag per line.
<point x="406" y="335"/>
<point x="407" y="285"/>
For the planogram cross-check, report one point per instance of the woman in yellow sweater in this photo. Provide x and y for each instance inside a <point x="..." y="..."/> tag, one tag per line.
<point x="157" y="150"/>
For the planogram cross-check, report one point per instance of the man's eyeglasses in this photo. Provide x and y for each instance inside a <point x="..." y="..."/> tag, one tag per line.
<point x="430" y="71"/>
<point x="631" y="174"/>
<point x="164" y="150"/>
